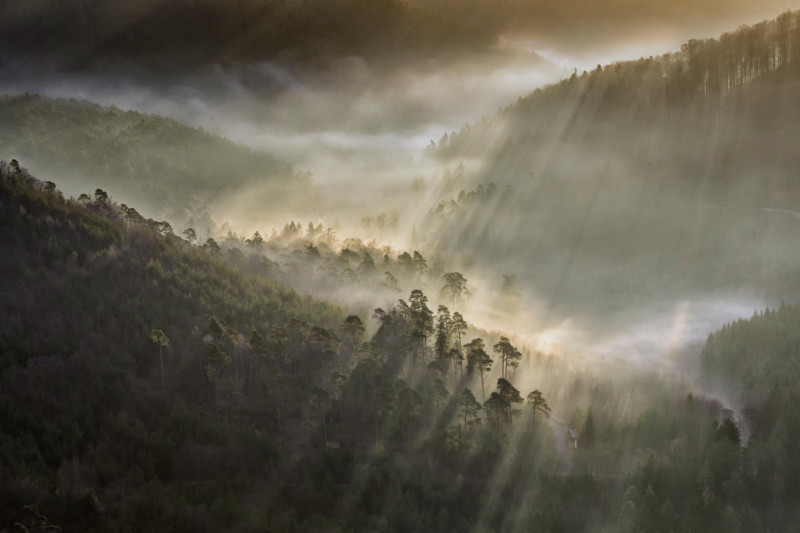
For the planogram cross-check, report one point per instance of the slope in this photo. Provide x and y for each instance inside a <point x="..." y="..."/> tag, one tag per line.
<point x="666" y="176"/>
<point x="85" y="402"/>
<point x="301" y="426"/>
<point x="164" y="167"/>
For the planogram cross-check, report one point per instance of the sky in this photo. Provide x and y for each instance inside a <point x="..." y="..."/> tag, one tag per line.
<point x="350" y="119"/>
<point x="582" y="33"/>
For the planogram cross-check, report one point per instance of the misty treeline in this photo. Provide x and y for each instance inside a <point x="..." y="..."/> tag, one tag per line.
<point x="658" y="99"/>
<point x="170" y="34"/>
<point x="171" y="169"/>
<point x="148" y="385"/>
<point x="668" y="175"/>
<point x="316" y="260"/>
<point x="143" y="347"/>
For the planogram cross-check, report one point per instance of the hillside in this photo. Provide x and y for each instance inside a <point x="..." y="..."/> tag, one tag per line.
<point x="756" y="361"/>
<point x="673" y="174"/>
<point x="714" y="98"/>
<point x="94" y="288"/>
<point x="508" y="334"/>
<point x="164" y="167"/>
<point x="271" y="411"/>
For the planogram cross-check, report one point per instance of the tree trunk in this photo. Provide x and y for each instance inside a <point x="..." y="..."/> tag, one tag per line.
<point x="424" y="368"/>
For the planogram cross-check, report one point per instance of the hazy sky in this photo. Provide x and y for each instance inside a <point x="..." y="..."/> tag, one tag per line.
<point x="346" y="118"/>
<point x="357" y="123"/>
<point x="582" y="33"/>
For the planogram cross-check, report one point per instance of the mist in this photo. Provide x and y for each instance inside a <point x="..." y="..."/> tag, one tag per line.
<point x="399" y="265"/>
<point x="351" y="124"/>
<point x="361" y="130"/>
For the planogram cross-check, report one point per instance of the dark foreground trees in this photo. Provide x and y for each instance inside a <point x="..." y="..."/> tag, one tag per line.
<point x="308" y="425"/>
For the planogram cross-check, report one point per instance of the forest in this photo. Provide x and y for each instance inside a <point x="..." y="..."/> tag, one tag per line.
<point x="315" y="424"/>
<point x="580" y="313"/>
<point x="685" y="165"/>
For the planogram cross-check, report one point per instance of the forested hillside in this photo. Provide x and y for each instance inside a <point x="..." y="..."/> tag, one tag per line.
<point x="703" y="85"/>
<point x="518" y="328"/>
<point x="123" y="393"/>
<point x="146" y="386"/>
<point x="685" y="165"/>
<point x="758" y="359"/>
<point x="165" y="168"/>
<point x="758" y="354"/>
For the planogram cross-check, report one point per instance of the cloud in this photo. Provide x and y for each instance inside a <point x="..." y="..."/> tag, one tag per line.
<point x="587" y="32"/>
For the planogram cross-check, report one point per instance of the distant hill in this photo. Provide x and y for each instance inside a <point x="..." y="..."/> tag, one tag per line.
<point x="667" y="173"/>
<point x="718" y="108"/>
<point x="168" y="169"/>
<point x="184" y="33"/>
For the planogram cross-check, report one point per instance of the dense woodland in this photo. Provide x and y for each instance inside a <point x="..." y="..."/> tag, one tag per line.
<point x="157" y="374"/>
<point x="195" y="397"/>
<point x="664" y="176"/>
<point x="718" y="112"/>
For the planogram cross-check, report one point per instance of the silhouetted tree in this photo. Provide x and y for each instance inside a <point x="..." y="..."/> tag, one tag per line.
<point x="353" y="328"/>
<point x="509" y="355"/>
<point x="422" y="320"/>
<point x="455" y="286"/>
<point x="216" y="359"/>
<point x="190" y="235"/>
<point x="459" y="327"/>
<point x="255" y="241"/>
<point x="158" y="337"/>
<point x="211" y="245"/>
<point x="420" y="264"/>
<point x="442" y="339"/>
<point x="496" y="411"/>
<point x="469" y="409"/>
<point x="440" y="393"/>
<point x="478" y="360"/>
<point x="510" y="396"/>
<point x="538" y="404"/>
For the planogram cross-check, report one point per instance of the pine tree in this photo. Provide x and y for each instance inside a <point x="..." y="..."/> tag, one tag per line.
<point x="469" y="409"/>
<point x="538" y="404"/>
